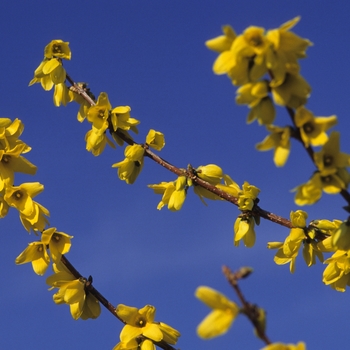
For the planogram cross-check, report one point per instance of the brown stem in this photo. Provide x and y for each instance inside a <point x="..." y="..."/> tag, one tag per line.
<point x="91" y="289"/>
<point x="250" y="310"/>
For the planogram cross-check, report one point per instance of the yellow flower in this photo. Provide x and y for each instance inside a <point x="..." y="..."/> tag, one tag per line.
<point x="49" y="73"/>
<point x="174" y="193"/>
<point x="330" y="159"/>
<point x="72" y="292"/>
<point x="256" y="96"/>
<point x="287" y="49"/>
<point x="313" y="130"/>
<point x="288" y="251"/>
<point x="244" y="60"/>
<point x="141" y="322"/>
<point x="341" y="237"/>
<point x="221" y="318"/>
<point x="131" y="166"/>
<point x="36" y="254"/>
<point x="61" y="95"/>
<point x="11" y="161"/>
<point x="337" y="273"/>
<point x="155" y="139"/>
<point x="210" y="173"/>
<point x="98" y="114"/>
<point x="96" y="140"/>
<point x="120" y="117"/>
<point x="58" y="48"/>
<point x="281" y="346"/>
<point x="244" y="230"/>
<point x="32" y="214"/>
<point x="293" y="92"/>
<point x="298" y="218"/>
<point x="279" y="140"/>
<point x="59" y="242"/>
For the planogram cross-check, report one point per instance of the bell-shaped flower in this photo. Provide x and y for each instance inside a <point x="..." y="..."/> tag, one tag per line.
<point x="96" y="140"/>
<point x="61" y="95"/>
<point x="337" y="273"/>
<point x="244" y="230"/>
<point x="293" y="92"/>
<point x="141" y="322"/>
<point x="279" y="140"/>
<point x="11" y="162"/>
<point x="32" y="214"/>
<point x="131" y="166"/>
<point x="289" y="249"/>
<point x="120" y="117"/>
<point x="98" y="114"/>
<point x="221" y="317"/>
<point x="72" y="292"/>
<point x="256" y="96"/>
<point x="58" y="49"/>
<point x="329" y="159"/>
<point x="298" y="218"/>
<point x="59" y="242"/>
<point x="36" y="254"/>
<point x="313" y="129"/>
<point x="287" y="48"/>
<point x="155" y="139"/>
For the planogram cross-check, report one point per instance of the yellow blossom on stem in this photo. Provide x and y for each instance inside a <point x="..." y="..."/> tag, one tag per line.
<point x="36" y="254"/>
<point x="131" y="166"/>
<point x="98" y="114"/>
<point x="279" y="140"/>
<point x="256" y="96"/>
<point x="341" y="237"/>
<point x="58" y="48"/>
<point x="120" y="117"/>
<point x="72" y="292"/>
<point x="311" y="191"/>
<point x="337" y="273"/>
<point x="59" y="242"/>
<point x="293" y="92"/>
<point x="141" y="322"/>
<point x="155" y="139"/>
<point x="31" y="213"/>
<point x="221" y="318"/>
<point x="244" y="230"/>
<point x="313" y="129"/>
<point x="288" y="251"/>
<point x="61" y="95"/>
<point x="96" y="140"/>
<point x="287" y="48"/>
<point x="281" y="346"/>
<point x="11" y="161"/>
<point x="329" y="159"/>
<point x="298" y="218"/>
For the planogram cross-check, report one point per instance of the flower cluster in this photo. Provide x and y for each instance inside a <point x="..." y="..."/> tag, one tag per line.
<point x="174" y="192"/>
<point x="72" y="291"/>
<point x="32" y="214"/>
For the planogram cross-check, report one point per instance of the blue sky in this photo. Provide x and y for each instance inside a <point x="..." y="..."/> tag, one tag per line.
<point x="151" y="56"/>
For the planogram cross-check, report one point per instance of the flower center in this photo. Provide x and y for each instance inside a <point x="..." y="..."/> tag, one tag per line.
<point x="308" y="128"/>
<point x="6" y="159"/>
<point x="18" y="195"/>
<point x="141" y="322"/>
<point x="56" y="49"/>
<point x="326" y="179"/>
<point x="327" y="160"/>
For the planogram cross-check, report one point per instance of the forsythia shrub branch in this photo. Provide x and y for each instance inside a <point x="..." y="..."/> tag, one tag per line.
<point x="265" y="67"/>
